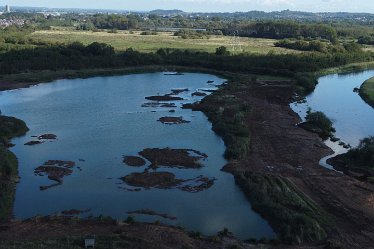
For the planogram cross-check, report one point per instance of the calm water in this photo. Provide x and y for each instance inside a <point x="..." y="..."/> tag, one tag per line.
<point x="352" y="117"/>
<point x="100" y="120"/>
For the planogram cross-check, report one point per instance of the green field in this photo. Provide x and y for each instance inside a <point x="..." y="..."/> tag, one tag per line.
<point x="150" y="43"/>
<point x="367" y="91"/>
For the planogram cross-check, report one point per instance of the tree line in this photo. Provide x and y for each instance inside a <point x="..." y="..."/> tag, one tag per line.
<point x="100" y="55"/>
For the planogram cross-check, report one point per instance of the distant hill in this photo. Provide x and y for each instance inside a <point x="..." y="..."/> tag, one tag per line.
<point x="167" y="12"/>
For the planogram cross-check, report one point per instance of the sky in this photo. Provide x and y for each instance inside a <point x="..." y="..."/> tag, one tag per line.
<point x="206" y="5"/>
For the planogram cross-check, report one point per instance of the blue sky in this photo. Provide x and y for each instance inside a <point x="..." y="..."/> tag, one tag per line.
<point x="207" y="5"/>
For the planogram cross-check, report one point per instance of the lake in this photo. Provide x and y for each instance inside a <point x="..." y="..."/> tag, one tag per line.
<point x="99" y="120"/>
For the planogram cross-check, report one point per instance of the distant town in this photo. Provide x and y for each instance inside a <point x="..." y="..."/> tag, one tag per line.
<point x="249" y="15"/>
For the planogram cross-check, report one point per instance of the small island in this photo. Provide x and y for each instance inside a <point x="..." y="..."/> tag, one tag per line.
<point x="367" y="91"/>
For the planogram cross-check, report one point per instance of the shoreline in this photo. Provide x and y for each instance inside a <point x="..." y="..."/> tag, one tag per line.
<point x="284" y="156"/>
<point x="24" y="80"/>
<point x="273" y="161"/>
<point x="364" y="94"/>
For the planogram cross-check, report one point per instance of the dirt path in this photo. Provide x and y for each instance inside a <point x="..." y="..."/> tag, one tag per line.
<point x="281" y="148"/>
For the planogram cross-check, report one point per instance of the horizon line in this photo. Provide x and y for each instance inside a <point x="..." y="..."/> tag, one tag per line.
<point x="187" y="12"/>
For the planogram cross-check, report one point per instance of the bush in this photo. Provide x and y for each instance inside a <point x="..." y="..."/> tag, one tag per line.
<point x="148" y="33"/>
<point x="363" y="155"/>
<point x="319" y="123"/>
<point x="306" y="83"/>
<point x="222" y="51"/>
<point x="130" y="220"/>
<point x="294" y="216"/>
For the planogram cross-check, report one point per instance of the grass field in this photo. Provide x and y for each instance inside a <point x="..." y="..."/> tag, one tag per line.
<point x="150" y="43"/>
<point x="367" y="91"/>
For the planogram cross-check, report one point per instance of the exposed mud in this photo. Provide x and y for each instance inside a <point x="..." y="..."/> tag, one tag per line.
<point x="178" y="91"/>
<point x="361" y="173"/>
<point x="44" y="231"/>
<point x="159" y="104"/>
<point x="199" y="94"/>
<point x="167" y="180"/>
<point x="41" y="139"/>
<point x="179" y="158"/>
<point x="134" y="161"/>
<point x="165" y="97"/>
<point x="173" y="120"/>
<point x="279" y="148"/>
<point x="55" y="170"/>
<point x="73" y="212"/>
<point x="34" y="142"/>
<point x="47" y="137"/>
<point x="152" y="213"/>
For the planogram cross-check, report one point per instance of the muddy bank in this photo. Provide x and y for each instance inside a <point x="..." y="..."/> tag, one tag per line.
<point x="332" y="207"/>
<point x="169" y="96"/>
<point x="199" y="94"/>
<point x="73" y="212"/>
<point x="134" y="161"/>
<point x="65" y="233"/>
<point x="351" y="168"/>
<point x="158" y="104"/>
<point x="178" y="91"/>
<point x="55" y="170"/>
<point x="41" y="139"/>
<point x="179" y="158"/>
<point x="173" y="120"/>
<point x="34" y="142"/>
<point x="152" y="213"/>
<point x="167" y="180"/>
<point x="163" y="98"/>
<point x="47" y="137"/>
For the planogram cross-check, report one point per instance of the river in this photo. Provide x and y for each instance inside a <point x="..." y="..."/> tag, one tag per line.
<point x="352" y="118"/>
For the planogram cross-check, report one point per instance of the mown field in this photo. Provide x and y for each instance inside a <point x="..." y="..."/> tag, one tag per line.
<point x="150" y="43"/>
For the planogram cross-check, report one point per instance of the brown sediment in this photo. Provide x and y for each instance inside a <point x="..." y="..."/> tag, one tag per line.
<point x="72" y="212"/>
<point x="131" y="189"/>
<point x="341" y="163"/>
<point x="47" y="137"/>
<point x="165" y="97"/>
<point x="41" y="139"/>
<point x="180" y="158"/>
<point x="55" y="170"/>
<point x="134" y="161"/>
<point x="162" y="180"/>
<point x="200" y="94"/>
<point x="178" y="91"/>
<point x="152" y="213"/>
<point x="200" y="183"/>
<point x="34" y="142"/>
<point x="208" y="90"/>
<point x="40" y="230"/>
<point x="281" y="150"/>
<point x="60" y="163"/>
<point x="158" y="104"/>
<point x="167" y="180"/>
<point x="173" y="120"/>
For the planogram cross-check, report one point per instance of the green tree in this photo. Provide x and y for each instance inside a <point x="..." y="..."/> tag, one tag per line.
<point x="222" y="51"/>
